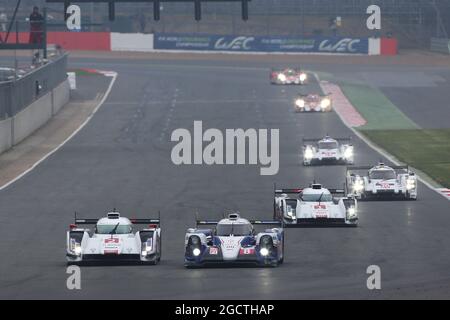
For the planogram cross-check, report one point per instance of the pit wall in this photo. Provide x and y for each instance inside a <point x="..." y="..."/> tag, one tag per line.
<point x="105" y="41"/>
<point x="16" y="129"/>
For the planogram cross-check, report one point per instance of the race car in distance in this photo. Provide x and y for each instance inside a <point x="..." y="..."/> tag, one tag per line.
<point x="382" y="181"/>
<point x="234" y="241"/>
<point x="327" y="150"/>
<point x="113" y="240"/>
<point x="288" y="76"/>
<point x="313" y="102"/>
<point x="315" y="206"/>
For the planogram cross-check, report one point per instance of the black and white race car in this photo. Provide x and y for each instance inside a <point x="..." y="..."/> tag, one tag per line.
<point x="315" y="206"/>
<point x="327" y="150"/>
<point x="113" y="240"/>
<point x="233" y="240"/>
<point x="382" y="182"/>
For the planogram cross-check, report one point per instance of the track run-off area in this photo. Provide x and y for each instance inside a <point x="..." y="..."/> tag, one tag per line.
<point x="122" y="159"/>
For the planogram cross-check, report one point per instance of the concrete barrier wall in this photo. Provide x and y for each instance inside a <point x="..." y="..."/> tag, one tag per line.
<point x="61" y="96"/>
<point x="16" y="129"/>
<point x="131" y="42"/>
<point x="440" y="45"/>
<point x="5" y="134"/>
<point x="32" y="118"/>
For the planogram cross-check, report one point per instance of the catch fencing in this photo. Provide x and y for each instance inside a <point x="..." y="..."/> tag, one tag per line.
<point x="17" y="94"/>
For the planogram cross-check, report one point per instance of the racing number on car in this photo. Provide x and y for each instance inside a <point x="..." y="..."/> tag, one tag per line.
<point x="213" y="251"/>
<point x="247" y="251"/>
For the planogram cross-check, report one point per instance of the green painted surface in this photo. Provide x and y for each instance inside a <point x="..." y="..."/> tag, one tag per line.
<point x="379" y="112"/>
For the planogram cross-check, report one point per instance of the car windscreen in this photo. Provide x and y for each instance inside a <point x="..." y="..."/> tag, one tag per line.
<point x="234" y="229"/>
<point x="107" y="229"/>
<point x="382" y="174"/>
<point x="326" y="197"/>
<point x="328" y="145"/>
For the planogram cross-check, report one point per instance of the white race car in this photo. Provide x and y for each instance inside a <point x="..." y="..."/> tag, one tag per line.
<point x="113" y="240"/>
<point x="234" y="241"/>
<point x="382" y="182"/>
<point x="327" y="150"/>
<point x="313" y="102"/>
<point x="315" y="206"/>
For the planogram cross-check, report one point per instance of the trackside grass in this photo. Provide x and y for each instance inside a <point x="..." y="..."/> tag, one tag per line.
<point x="426" y="150"/>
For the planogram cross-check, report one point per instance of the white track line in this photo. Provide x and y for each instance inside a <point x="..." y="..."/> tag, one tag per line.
<point x="384" y="153"/>
<point x="113" y="75"/>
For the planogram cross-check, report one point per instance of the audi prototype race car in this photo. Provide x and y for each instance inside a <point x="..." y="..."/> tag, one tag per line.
<point x="327" y="151"/>
<point x="313" y="102"/>
<point x="288" y="76"/>
<point x="315" y="206"/>
<point x="234" y="241"/>
<point x="113" y="240"/>
<point x="382" y="182"/>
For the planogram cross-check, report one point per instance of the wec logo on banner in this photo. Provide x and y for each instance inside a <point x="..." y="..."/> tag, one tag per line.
<point x="343" y="46"/>
<point x="239" y="43"/>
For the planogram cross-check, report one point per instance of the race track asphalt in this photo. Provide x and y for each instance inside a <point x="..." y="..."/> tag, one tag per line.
<point x="121" y="159"/>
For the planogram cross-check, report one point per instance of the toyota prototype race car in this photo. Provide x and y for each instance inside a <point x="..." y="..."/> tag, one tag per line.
<point x="313" y="102"/>
<point x="327" y="151"/>
<point x="234" y="241"/>
<point x="315" y="206"/>
<point x="382" y="182"/>
<point x="288" y="76"/>
<point x="113" y="240"/>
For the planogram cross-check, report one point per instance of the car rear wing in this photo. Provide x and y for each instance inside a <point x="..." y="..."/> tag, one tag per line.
<point x="207" y="222"/>
<point x="359" y="168"/>
<point x="318" y="139"/>
<point x="297" y="191"/>
<point x="253" y="222"/>
<point x="92" y="221"/>
<point x="267" y="222"/>
<point x="287" y="191"/>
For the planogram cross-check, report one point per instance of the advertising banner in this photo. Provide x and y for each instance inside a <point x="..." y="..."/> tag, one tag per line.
<point x="346" y="45"/>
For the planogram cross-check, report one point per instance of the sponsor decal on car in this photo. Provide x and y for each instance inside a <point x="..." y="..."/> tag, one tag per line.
<point x="247" y="251"/>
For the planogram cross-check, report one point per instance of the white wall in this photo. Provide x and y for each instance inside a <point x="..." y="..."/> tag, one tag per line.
<point x="131" y="42"/>
<point x="374" y="46"/>
<point x="61" y="96"/>
<point x="32" y="117"/>
<point x="5" y="135"/>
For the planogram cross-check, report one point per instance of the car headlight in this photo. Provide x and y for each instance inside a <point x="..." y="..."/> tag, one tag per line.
<point x="281" y="77"/>
<point x="196" y="252"/>
<point x="348" y="153"/>
<point x="77" y="250"/>
<point x="351" y="212"/>
<point x="358" y="186"/>
<point x="303" y="77"/>
<point x="410" y="184"/>
<point x="300" y="103"/>
<point x="264" y="252"/>
<point x="309" y="154"/>
<point x="146" y="248"/>
<point x="325" y="103"/>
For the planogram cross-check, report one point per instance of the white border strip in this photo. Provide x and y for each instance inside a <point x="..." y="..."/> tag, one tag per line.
<point x="384" y="153"/>
<point x="113" y="75"/>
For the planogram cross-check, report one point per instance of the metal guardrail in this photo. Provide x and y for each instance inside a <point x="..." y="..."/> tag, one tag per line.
<point x="17" y="95"/>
